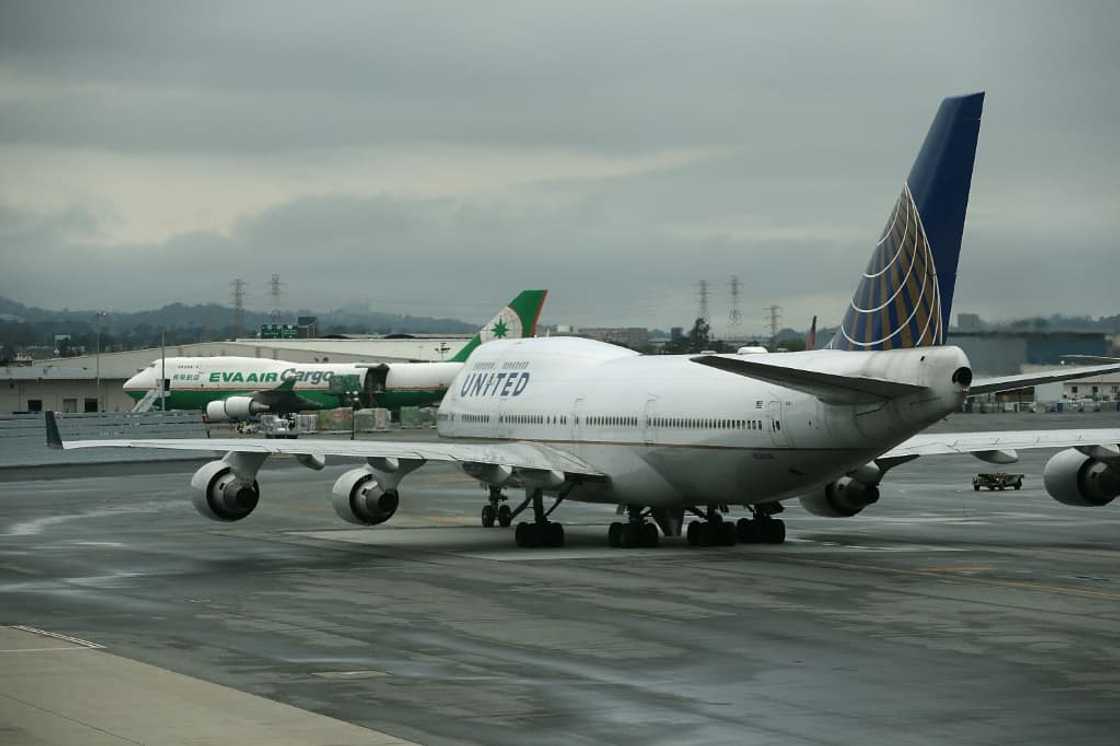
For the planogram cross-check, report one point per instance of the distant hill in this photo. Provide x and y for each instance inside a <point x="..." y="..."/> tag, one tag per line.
<point x="214" y="316"/>
<point x="24" y="326"/>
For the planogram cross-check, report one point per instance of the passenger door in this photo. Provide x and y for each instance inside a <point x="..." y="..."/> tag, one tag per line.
<point x="774" y="424"/>
<point x="649" y="432"/>
<point x="575" y="419"/>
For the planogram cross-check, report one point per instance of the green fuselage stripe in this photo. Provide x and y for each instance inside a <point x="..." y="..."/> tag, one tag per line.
<point x="391" y="399"/>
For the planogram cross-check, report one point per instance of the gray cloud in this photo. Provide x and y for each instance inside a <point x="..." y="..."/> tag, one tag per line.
<point x="812" y="114"/>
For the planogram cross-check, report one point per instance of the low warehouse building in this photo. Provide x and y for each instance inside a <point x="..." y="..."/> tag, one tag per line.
<point x="92" y="383"/>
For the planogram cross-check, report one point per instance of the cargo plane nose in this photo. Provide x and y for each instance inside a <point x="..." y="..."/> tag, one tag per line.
<point x="145" y="380"/>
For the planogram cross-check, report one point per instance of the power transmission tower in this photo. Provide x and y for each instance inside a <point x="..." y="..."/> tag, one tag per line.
<point x="275" y="288"/>
<point x="238" y="294"/>
<point x="774" y="318"/>
<point x="735" y="317"/>
<point x="703" y="297"/>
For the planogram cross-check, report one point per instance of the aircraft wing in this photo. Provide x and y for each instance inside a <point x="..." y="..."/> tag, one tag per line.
<point x="938" y="444"/>
<point x="1026" y="380"/>
<point x="531" y="456"/>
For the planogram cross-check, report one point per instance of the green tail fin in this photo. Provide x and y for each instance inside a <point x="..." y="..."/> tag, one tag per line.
<point x="517" y="320"/>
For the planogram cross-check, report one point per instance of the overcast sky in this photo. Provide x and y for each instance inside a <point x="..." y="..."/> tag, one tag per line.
<point x="432" y="158"/>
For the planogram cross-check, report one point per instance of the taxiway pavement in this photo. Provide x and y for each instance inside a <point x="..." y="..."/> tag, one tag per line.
<point x="940" y="615"/>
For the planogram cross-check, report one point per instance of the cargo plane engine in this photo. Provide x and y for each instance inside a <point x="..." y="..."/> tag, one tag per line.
<point x="234" y="408"/>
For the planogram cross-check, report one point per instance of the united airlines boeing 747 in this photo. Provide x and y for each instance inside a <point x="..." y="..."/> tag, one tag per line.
<point x="672" y="436"/>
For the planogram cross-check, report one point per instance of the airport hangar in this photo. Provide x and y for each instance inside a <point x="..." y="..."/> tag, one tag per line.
<point x="70" y="384"/>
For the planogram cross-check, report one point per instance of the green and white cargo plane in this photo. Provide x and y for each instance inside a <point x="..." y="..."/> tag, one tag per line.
<point x="234" y="388"/>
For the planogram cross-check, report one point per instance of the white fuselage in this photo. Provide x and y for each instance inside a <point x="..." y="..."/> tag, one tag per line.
<point x="231" y="374"/>
<point x="670" y="432"/>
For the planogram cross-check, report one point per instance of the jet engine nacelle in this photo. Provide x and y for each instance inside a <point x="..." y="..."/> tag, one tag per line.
<point x="234" y="408"/>
<point x="221" y="495"/>
<point x="841" y="499"/>
<point x="358" y="497"/>
<point x="1073" y="478"/>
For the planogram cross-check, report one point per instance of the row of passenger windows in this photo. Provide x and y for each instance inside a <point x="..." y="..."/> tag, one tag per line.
<point x="473" y="418"/>
<point x="710" y="423"/>
<point x="681" y="423"/>
<point x="609" y="421"/>
<point x="534" y="419"/>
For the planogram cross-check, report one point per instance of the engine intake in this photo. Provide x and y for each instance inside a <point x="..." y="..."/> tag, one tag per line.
<point x="358" y="497"/>
<point x="843" y="498"/>
<point x="1072" y="478"/>
<point x="234" y="408"/>
<point x="221" y="495"/>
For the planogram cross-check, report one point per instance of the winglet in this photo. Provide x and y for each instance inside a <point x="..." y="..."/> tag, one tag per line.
<point x="54" y="437"/>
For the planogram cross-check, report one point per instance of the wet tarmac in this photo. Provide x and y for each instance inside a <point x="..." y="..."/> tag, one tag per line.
<point x="939" y="615"/>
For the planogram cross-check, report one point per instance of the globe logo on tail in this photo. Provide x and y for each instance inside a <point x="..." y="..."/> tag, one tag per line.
<point x="898" y="302"/>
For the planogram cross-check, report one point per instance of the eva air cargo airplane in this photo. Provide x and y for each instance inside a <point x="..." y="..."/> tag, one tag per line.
<point x="233" y="388"/>
<point x="665" y="437"/>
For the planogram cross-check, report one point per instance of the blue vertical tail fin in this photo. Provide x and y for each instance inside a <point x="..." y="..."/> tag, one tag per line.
<point x="906" y="294"/>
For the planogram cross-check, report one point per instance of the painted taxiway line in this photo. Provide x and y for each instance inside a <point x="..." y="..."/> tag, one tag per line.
<point x="57" y="636"/>
<point x="47" y="650"/>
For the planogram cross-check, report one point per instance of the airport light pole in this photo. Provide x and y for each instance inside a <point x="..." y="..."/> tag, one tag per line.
<point x="100" y="316"/>
<point x="163" y="370"/>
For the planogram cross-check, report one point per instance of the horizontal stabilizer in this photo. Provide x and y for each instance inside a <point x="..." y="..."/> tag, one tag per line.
<point x="831" y="388"/>
<point x="1093" y="358"/>
<point x="940" y="444"/>
<point x="1026" y="380"/>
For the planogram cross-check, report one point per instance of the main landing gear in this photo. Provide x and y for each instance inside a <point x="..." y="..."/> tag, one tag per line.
<point x="712" y="531"/>
<point x="636" y="532"/>
<point x="761" y="528"/>
<point x="541" y="532"/>
<point x="496" y="510"/>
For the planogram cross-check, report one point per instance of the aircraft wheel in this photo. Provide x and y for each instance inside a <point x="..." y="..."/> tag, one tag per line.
<point x="554" y="534"/>
<point x="695" y="528"/>
<point x="614" y="534"/>
<point x="648" y="535"/>
<point x="526" y="535"/>
<point x="725" y="533"/>
<point x="631" y="535"/>
<point x="774" y="531"/>
<point x="488" y="515"/>
<point x="505" y="516"/>
<point x="747" y="531"/>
